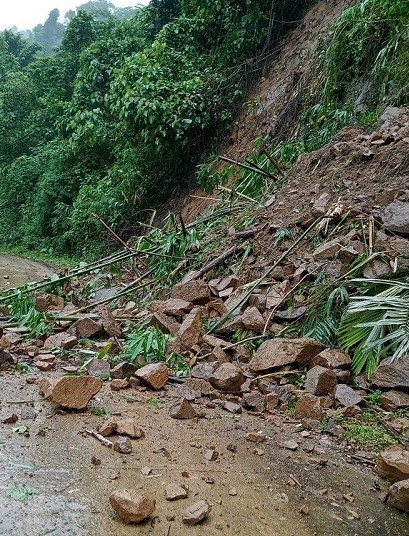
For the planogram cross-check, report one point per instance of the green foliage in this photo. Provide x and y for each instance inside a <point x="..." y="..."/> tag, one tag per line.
<point x="24" y="313"/>
<point x="145" y="345"/>
<point x="115" y="120"/>
<point x="376" y="324"/>
<point x="374" y="397"/>
<point x="368" y="432"/>
<point x="21" y="493"/>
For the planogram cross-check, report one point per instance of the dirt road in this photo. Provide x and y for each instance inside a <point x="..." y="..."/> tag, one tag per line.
<point x="272" y="484"/>
<point x="16" y="271"/>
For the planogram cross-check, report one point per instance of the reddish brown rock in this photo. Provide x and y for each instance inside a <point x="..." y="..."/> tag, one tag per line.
<point x="398" y="495"/>
<point x="196" y="292"/>
<point x="174" y="492"/>
<point x="110" y="325"/>
<point x="117" y="385"/>
<point x="310" y="407"/>
<point x="6" y="360"/>
<point x="279" y="352"/>
<point x="128" y="427"/>
<point x="182" y="409"/>
<point x="44" y="366"/>
<point x="320" y="381"/>
<point x="231" y="325"/>
<point x="253" y="320"/>
<point x="48" y="302"/>
<point x="154" y="375"/>
<point x="73" y="392"/>
<point x="393" y="400"/>
<point x="196" y="513"/>
<point x="108" y="427"/>
<point x="132" y="506"/>
<point x="328" y="250"/>
<point x="393" y="464"/>
<point x="61" y="340"/>
<point x="86" y="327"/>
<point x="346" y="396"/>
<point x="172" y="307"/>
<point x="332" y="358"/>
<point x="191" y="331"/>
<point x="167" y="324"/>
<point x="272" y="400"/>
<point x="218" y="285"/>
<point x="256" y="437"/>
<point x="232" y="407"/>
<point x="227" y="377"/>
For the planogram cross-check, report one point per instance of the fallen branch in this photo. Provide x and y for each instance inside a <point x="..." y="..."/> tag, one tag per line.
<point x="106" y="442"/>
<point x="257" y="170"/>
<point x="279" y="374"/>
<point x="215" y="262"/>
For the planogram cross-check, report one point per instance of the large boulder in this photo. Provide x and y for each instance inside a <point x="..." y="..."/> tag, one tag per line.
<point x="280" y="352"/>
<point x="132" y="506"/>
<point x="392" y="375"/>
<point x="393" y="464"/>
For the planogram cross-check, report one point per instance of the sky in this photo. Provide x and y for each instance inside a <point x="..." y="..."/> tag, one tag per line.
<point x="25" y="14"/>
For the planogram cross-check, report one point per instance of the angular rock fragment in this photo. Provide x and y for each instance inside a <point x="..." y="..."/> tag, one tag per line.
<point x="154" y="375"/>
<point x="203" y="371"/>
<point x="254" y="401"/>
<point x="394" y="400"/>
<point x="227" y="377"/>
<point x="191" y="331"/>
<point x="392" y="374"/>
<point x="167" y="324"/>
<point x="173" y="307"/>
<point x="253" y="320"/>
<point x="398" y="495"/>
<point x="346" y="396"/>
<point x="182" y="409"/>
<point x="279" y="352"/>
<point x="332" y="358"/>
<point x="6" y="360"/>
<point x="129" y="427"/>
<point x="174" y="492"/>
<point x="310" y="407"/>
<point x="73" y="392"/>
<point x="61" y="340"/>
<point x="117" y="385"/>
<point x="122" y="371"/>
<point x="395" y="217"/>
<point x="196" y="513"/>
<point x="196" y="292"/>
<point x="132" y="506"/>
<point x="320" y="381"/>
<point x="123" y="445"/>
<point x="86" y="327"/>
<point x="393" y="464"/>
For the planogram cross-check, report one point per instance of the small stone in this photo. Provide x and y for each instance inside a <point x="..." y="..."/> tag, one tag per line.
<point x="86" y="327"/>
<point x="231" y="447"/>
<point x="108" y="427"/>
<point x="196" y="513"/>
<point x="117" y="385"/>
<point x="332" y="358"/>
<point x="272" y="400"/>
<point x="398" y="495"/>
<point x="309" y="407"/>
<point x="203" y="371"/>
<point x="146" y="471"/>
<point x="393" y="464"/>
<point x="233" y="492"/>
<point x="95" y="460"/>
<point x="123" y="445"/>
<point x="174" y="492"/>
<point x="99" y="368"/>
<point x="28" y="414"/>
<point x="290" y="444"/>
<point x="253" y="320"/>
<point x="255" y="437"/>
<point x="122" y="371"/>
<point x="231" y="407"/>
<point x="11" y="419"/>
<point x="44" y="366"/>
<point x="211" y="455"/>
<point x="182" y="409"/>
<point x="328" y="250"/>
<point x="132" y="506"/>
<point x="154" y="375"/>
<point x="129" y="427"/>
<point x="167" y="324"/>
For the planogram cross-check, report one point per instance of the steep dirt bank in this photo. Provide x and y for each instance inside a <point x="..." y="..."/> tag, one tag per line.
<point x="272" y="484"/>
<point x="17" y="271"/>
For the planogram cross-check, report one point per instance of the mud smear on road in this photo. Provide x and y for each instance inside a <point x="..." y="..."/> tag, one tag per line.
<point x="273" y="485"/>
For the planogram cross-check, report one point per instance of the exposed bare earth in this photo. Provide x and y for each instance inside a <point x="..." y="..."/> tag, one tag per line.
<point x="16" y="271"/>
<point x="72" y="493"/>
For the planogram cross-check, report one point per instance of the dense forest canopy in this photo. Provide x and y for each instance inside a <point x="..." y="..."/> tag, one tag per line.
<point x="116" y="118"/>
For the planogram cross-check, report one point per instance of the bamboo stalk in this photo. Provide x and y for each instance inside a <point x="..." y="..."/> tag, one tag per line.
<point x="257" y="282"/>
<point x="247" y="167"/>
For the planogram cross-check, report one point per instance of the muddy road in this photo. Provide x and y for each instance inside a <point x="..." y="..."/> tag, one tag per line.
<point x="278" y="492"/>
<point x="17" y="271"/>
